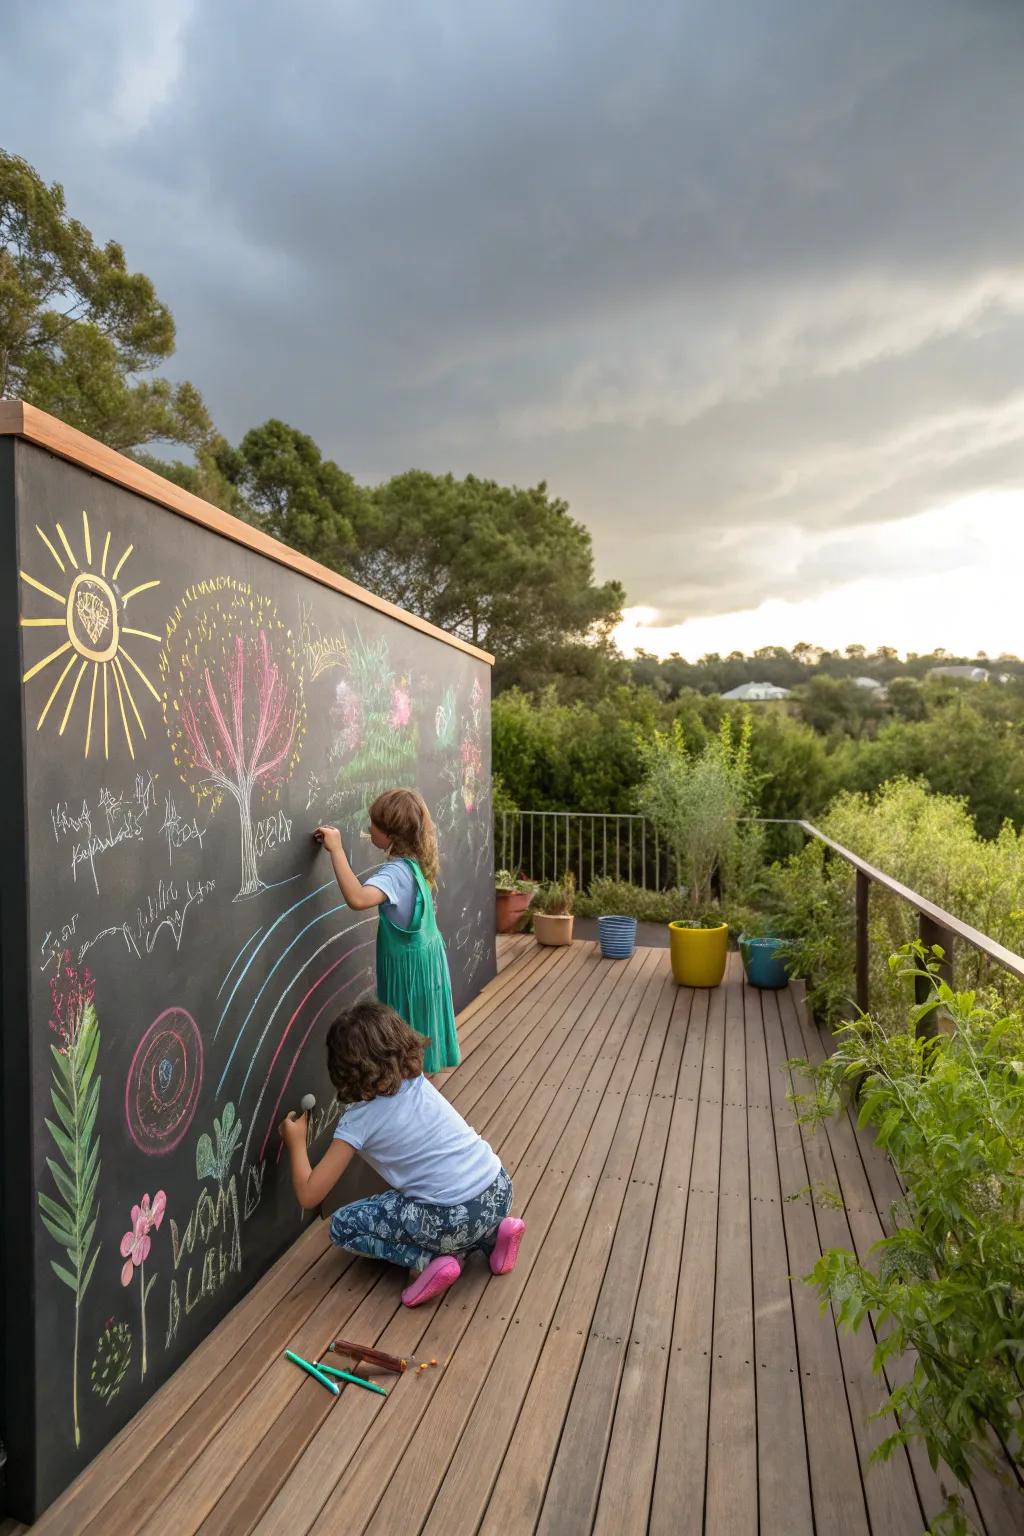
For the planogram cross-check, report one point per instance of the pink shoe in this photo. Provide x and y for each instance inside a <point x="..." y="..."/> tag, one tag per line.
<point x="434" y="1281"/>
<point x="506" y="1249"/>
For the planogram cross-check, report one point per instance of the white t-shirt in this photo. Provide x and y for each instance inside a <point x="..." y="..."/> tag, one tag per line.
<point x="420" y="1145"/>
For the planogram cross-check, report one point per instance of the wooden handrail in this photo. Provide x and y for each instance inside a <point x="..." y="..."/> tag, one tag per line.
<point x="935" y="925"/>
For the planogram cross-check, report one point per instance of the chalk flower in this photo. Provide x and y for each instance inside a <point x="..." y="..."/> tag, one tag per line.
<point x="135" y="1245"/>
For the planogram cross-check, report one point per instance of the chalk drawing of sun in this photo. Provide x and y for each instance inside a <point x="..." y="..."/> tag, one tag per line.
<point x="91" y="660"/>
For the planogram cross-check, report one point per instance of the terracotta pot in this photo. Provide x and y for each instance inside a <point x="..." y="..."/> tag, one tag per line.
<point x="553" y="927"/>
<point x="510" y="910"/>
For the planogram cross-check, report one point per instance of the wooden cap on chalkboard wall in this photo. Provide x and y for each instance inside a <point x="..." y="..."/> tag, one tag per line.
<point x="20" y="420"/>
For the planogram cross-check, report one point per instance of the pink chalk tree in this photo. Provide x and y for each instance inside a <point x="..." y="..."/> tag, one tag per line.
<point x="236" y="718"/>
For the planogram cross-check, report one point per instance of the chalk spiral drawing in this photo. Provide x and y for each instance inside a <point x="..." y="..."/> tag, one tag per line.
<point x="94" y="609"/>
<point x="75" y="1092"/>
<point x="233" y="702"/>
<point x="164" y="1079"/>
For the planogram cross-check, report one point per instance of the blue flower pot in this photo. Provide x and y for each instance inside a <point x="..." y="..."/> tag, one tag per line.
<point x="618" y="937"/>
<point x="762" y="964"/>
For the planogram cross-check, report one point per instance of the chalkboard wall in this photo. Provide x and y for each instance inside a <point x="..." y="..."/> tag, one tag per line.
<point x="179" y="713"/>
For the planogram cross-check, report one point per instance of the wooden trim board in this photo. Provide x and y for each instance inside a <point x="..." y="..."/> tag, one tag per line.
<point x="44" y="431"/>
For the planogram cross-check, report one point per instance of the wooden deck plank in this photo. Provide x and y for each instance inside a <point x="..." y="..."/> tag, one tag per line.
<point x="784" y="1492"/>
<point x="255" y="1480"/>
<point x="731" y="1494"/>
<point x="680" y="1476"/>
<point x="546" y="1307"/>
<point x="412" y="1487"/>
<point x="889" y="1486"/>
<point x="551" y="1149"/>
<point x="837" y="1493"/>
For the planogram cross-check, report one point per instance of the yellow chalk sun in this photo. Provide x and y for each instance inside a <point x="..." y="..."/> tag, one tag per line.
<point x="93" y="620"/>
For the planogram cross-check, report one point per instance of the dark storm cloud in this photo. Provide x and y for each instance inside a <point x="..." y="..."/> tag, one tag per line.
<point x="720" y="272"/>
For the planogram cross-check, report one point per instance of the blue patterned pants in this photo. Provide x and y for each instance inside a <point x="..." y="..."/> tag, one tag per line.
<point x="409" y="1232"/>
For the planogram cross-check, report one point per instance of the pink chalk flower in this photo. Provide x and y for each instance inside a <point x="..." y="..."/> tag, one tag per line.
<point x="401" y="706"/>
<point x="135" y="1245"/>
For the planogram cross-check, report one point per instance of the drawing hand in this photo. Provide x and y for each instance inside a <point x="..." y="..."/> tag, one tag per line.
<point x="294" y="1131"/>
<point x="329" y="838"/>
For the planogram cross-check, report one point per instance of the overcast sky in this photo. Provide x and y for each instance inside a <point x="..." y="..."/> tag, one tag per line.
<point x="743" y="280"/>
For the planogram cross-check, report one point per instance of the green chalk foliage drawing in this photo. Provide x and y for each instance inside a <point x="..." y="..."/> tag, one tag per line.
<point x="75" y="1092"/>
<point x="113" y="1359"/>
<point x="375" y="734"/>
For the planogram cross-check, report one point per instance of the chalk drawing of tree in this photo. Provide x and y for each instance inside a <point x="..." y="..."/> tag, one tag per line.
<point x="233" y="702"/>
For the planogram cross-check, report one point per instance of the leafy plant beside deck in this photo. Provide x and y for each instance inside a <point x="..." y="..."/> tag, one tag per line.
<point x="948" y="1285"/>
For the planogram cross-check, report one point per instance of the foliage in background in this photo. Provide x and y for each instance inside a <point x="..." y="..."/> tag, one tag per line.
<point x="77" y="328"/>
<point x="928" y="842"/>
<point x="695" y="802"/>
<point x="947" y="1285"/>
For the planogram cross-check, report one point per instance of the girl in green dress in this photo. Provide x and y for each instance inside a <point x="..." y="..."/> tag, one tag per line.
<point x="412" y="967"/>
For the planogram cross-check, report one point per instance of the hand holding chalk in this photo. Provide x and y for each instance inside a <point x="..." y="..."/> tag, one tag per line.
<point x="308" y="1105"/>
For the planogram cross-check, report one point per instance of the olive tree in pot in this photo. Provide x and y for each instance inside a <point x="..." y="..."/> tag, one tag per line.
<point x="695" y="802"/>
<point x="552" y="911"/>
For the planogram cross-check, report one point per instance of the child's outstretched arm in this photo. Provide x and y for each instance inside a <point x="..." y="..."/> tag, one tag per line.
<point x="357" y="895"/>
<point x="312" y="1185"/>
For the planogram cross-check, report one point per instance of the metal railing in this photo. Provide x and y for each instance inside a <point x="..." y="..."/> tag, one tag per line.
<point x="544" y="845"/>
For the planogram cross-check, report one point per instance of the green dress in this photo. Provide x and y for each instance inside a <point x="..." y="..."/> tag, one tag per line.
<point x="412" y="977"/>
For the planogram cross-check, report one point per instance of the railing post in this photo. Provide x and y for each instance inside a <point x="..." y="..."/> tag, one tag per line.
<point x="930" y="934"/>
<point x="863" y="966"/>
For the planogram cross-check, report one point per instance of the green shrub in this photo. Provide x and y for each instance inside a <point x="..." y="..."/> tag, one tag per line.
<point x="949" y="1284"/>
<point x="928" y="842"/>
<point x="556" y="898"/>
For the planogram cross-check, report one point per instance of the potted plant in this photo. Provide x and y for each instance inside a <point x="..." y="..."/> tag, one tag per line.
<point x="699" y="948"/>
<point x="511" y="900"/>
<point x="552" y="911"/>
<point x="763" y="952"/>
<point x="695" y="802"/>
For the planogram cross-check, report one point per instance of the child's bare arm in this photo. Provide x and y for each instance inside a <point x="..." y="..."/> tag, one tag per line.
<point x="357" y="895"/>
<point x="313" y="1185"/>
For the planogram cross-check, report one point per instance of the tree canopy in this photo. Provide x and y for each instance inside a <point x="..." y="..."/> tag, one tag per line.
<point x="505" y="568"/>
<point x="77" y="328"/>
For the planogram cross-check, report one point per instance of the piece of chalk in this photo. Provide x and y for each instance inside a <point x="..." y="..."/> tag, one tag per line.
<point x="358" y="1381"/>
<point x="325" y="1381"/>
<point x="308" y="1102"/>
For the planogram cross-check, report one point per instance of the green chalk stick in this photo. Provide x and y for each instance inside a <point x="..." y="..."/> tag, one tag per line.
<point x="359" y="1381"/>
<point x="314" y="1370"/>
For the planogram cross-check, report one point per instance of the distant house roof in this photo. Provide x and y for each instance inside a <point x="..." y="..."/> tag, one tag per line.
<point x="757" y="692"/>
<point x="969" y="674"/>
<point x="869" y="682"/>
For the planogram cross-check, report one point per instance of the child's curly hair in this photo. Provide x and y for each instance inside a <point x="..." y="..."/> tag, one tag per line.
<point x="371" y="1051"/>
<point x="403" y="816"/>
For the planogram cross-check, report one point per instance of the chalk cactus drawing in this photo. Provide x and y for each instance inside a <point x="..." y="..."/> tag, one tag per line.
<point x="94" y="640"/>
<point x="135" y="1249"/>
<point x="164" y="1079"/>
<point x="113" y="1359"/>
<point x="233" y="702"/>
<point x="75" y="1093"/>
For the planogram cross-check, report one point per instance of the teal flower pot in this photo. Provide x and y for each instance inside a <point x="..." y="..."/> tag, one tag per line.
<point x="762" y="962"/>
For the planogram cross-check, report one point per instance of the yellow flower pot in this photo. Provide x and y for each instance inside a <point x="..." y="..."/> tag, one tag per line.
<point x="698" y="954"/>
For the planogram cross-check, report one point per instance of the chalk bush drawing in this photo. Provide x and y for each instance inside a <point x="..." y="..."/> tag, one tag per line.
<point x="208" y="1222"/>
<point x="375" y="734"/>
<point x="135" y="1250"/>
<point x="75" y="1094"/>
<point x="233" y="702"/>
<point x="112" y="1361"/>
<point x="93" y="629"/>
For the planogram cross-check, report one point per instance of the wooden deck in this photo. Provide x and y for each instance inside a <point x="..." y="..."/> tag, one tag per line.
<point x="648" y="1367"/>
